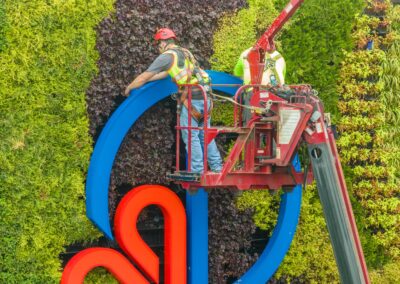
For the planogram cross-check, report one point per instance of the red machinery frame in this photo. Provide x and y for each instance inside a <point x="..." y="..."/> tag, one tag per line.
<point x="262" y="165"/>
<point x="283" y="117"/>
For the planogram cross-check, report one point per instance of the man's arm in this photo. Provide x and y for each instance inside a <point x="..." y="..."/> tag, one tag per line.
<point x="139" y="81"/>
<point x="157" y="70"/>
<point x="238" y="71"/>
<point x="159" y="76"/>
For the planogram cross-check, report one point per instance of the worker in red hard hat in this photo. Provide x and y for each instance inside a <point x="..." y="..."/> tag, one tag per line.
<point x="159" y="69"/>
<point x="182" y="66"/>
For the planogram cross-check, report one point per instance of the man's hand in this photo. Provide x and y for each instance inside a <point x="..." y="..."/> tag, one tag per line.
<point x="127" y="91"/>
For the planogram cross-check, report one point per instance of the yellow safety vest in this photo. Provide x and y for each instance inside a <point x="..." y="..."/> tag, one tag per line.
<point x="179" y="72"/>
<point x="275" y="68"/>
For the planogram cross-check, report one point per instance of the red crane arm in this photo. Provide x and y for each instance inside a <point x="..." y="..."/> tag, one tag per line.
<point x="256" y="56"/>
<point x="266" y="41"/>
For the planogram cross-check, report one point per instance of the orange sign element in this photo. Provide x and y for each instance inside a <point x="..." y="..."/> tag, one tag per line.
<point x="88" y="259"/>
<point x="133" y="245"/>
<point x="174" y="233"/>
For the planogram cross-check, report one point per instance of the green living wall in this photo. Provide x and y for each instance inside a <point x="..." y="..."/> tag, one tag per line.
<point x="46" y="65"/>
<point x="47" y="61"/>
<point x="391" y="84"/>
<point x="315" y="44"/>
<point x="2" y="24"/>
<point x="369" y="143"/>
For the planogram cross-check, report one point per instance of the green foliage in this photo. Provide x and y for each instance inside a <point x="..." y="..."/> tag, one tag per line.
<point x="391" y="80"/>
<point x="311" y="243"/>
<point x="100" y="275"/>
<point x="313" y="41"/>
<point x="310" y="255"/>
<point x="367" y="145"/>
<point x="47" y="65"/>
<point x="388" y="274"/>
<point x="394" y="18"/>
<point x="313" y="45"/>
<point x="240" y="31"/>
<point x="222" y="113"/>
<point x="266" y="206"/>
<point x="390" y="77"/>
<point x="2" y="25"/>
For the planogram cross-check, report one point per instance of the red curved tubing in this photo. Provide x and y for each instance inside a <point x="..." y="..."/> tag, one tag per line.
<point x="117" y="264"/>
<point x="131" y="242"/>
<point x="174" y="232"/>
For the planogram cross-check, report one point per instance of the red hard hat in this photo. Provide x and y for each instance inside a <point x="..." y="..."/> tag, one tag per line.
<point x="164" y="33"/>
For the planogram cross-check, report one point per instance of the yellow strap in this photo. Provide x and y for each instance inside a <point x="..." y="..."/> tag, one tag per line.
<point x="181" y="74"/>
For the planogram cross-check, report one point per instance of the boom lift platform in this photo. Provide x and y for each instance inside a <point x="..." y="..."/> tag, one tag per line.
<point x="262" y="154"/>
<point x="283" y="118"/>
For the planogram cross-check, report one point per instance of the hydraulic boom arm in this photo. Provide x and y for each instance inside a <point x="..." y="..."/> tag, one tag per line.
<point x="282" y="118"/>
<point x="326" y="165"/>
<point x="335" y="200"/>
<point x="256" y="56"/>
<point x="325" y="162"/>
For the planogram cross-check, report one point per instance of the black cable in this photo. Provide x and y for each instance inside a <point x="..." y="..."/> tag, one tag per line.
<point x="305" y="176"/>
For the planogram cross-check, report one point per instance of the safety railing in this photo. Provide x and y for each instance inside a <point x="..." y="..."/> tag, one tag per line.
<point x="237" y="118"/>
<point x="204" y="128"/>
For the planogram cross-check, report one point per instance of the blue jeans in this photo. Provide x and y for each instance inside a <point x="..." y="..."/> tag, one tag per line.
<point x="214" y="157"/>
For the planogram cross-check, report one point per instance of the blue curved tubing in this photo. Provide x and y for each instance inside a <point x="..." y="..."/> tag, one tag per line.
<point x="282" y="236"/>
<point x="105" y="151"/>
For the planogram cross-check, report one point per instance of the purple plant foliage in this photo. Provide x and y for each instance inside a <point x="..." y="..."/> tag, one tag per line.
<point x="126" y="49"/>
